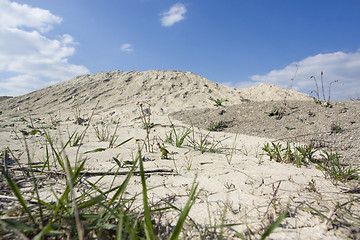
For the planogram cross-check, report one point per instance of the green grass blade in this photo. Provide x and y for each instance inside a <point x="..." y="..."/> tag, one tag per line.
<point x="113" y="137"/>
<point x="43" y="232"/>
<point x="191" y="200"/>
<point x="61" y="202"/>
<point x="123" y="185"/>
<point x="57" y="155"/>
<point x="18" y="226"/>
<point x="96" y="150"/>
<point x="123" y="142"/>
<point x="120" y="226"/>
<point x="91" y="202"/>
<point x="274" y="225"/>
<point x="149" y="230"/>
<point x="77" y="172"/>
<point x="18" y="195"/>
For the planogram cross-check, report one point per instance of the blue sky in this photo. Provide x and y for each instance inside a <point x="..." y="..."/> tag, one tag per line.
<point x="239" y="43"/>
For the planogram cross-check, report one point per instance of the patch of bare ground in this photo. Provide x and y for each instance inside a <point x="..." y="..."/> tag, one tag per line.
<point x="334" y="129"/>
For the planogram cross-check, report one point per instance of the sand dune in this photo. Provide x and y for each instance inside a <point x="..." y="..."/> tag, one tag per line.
<point x="165" y="90"/>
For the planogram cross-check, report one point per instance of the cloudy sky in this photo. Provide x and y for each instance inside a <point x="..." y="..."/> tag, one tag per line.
<point x="239" y="43"/>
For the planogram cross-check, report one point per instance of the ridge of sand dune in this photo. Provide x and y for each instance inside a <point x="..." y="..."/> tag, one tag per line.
<point x="162" y="88"/>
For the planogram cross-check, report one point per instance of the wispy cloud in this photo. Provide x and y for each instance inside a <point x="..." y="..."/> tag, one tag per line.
<point x="29" y="59"/>
<point x="341" y="66"/>
<point x="175" y="14"/>
<point x="126" y="47"/>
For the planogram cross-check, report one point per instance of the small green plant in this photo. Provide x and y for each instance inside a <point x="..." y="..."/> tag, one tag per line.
<point x="114" y="137"/>
<point x="22" y="119"/>
<point x="75" y="139"/>
<point x="229" y="186"/>
<point x="230" y="155"/>
<point x="145" y="115"/>
<point x="278" y="112"/>
<point x="188" y="163"/>
<point x="176" y="138"/>
<point x="77" y="114"/>
<point x="335" y="170"/>
<point x="308" y="152"/>
<point x="242" y="99"/>
<point x="217" y="126"/>
<point x="31" y="132"/>
<point x="102" y="132"/>
<point x="317" y="91"/>
<point x="176" y="169"/>
<point x="290" y="154"/>
<point x="311" y="187"/>
<point x="201" y="142"/>
<point x="217" y="102"/>
<point x="336" y="128"/>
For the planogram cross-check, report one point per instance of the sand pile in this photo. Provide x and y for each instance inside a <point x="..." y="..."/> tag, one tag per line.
<point x="243" y="185"/>
<point x="164" y="90"/>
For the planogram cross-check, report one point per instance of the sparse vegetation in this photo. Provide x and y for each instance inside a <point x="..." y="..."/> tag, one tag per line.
<point x="328" y="162"/>
<point x="325" y="102"/>
<point x="336" y="128"/>
<point x="145" y="115"/>
<point x="335" y="170"/>
<point x="229" y="155"/>
<point x="94" y="213"/>
<point x="203" y="142"/>
<point x="217" y="126"/>
<point x="278" y="112"/>
<point x="217" y="102"/>
<point x="299" y="155"/>
<point x="176" y="138"/>
<point x="66" y="192"/>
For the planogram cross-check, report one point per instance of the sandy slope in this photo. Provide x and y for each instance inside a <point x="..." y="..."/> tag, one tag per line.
<point x="251" y="189"/>
<point x="164" y="90"/>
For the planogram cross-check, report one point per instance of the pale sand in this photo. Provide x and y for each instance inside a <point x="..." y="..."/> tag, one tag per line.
<point x="251" y="189"/>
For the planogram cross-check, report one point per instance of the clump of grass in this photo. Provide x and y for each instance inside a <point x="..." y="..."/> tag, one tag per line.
<point x="102" y="132"/>
<point x="75" y="139"/>
<point x="217" y="126"/>
<point x="278" y="112"/>
<point x="328" y="162"/>
<point x="336" y="128"/>
<point x="217" y="102"/>
<point x="176" y="138"/>
<point x="202" y="142"/>
<point x="299" y="155"/>
<point x="332" y="168"/>
<point x="188" y="163"/>
<point x="77" y="114"/>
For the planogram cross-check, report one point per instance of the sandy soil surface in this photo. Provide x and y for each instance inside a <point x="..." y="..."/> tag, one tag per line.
<point x="247" y="189"/>
<point x="304" y="122"/>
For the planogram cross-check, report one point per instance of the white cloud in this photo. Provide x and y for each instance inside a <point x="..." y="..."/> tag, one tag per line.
<point x="341" y="66"/>
<point x="14" y="15"/>
<point x="126" y="47"/>
<point x="175" y="14"/>
<point x="27" y="55"/>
